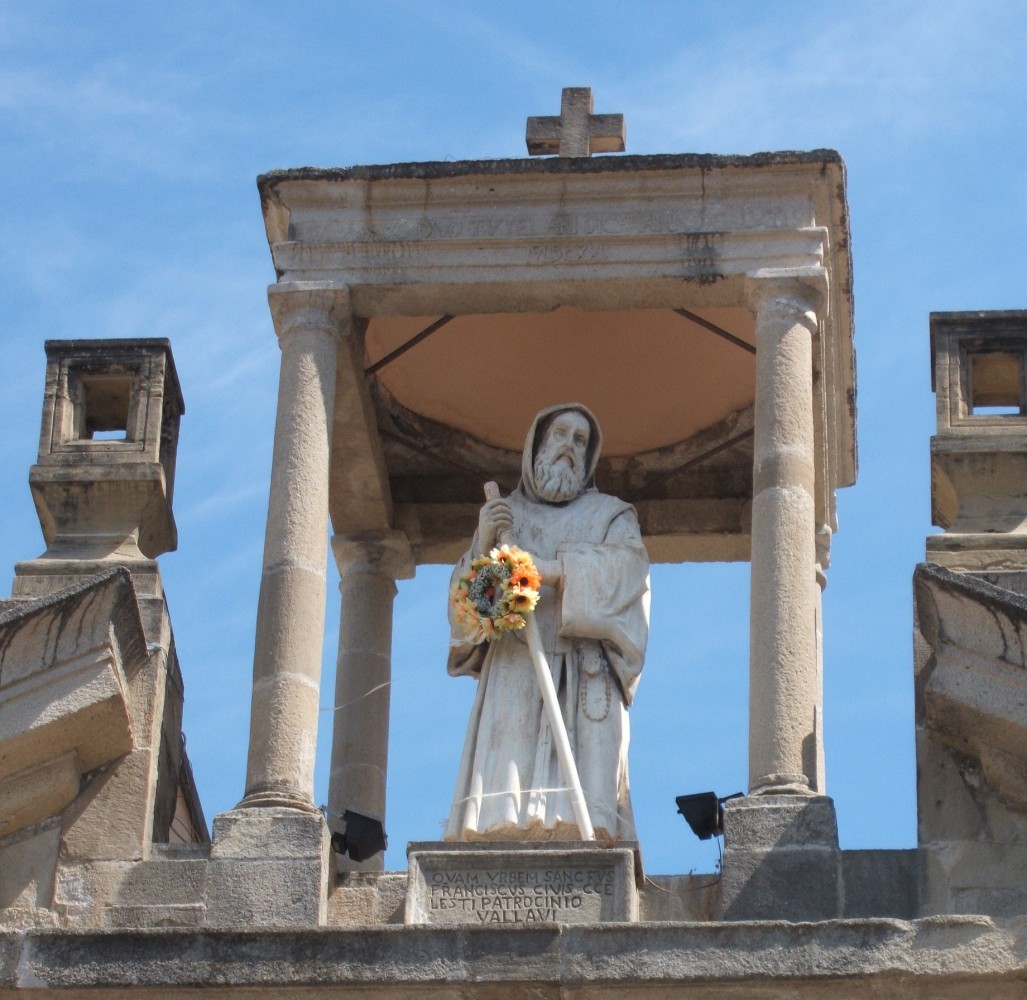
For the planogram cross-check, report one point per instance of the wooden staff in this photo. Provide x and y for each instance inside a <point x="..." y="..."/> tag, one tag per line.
<point x="544" y="676"/>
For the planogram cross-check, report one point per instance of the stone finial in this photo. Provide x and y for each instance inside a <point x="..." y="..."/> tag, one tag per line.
<point x="577" y="131"/>
<point x="979" y="454"/>
<point x="104" y="478"/>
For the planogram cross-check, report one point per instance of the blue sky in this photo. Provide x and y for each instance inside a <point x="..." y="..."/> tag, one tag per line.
<point x="130" y="138"/>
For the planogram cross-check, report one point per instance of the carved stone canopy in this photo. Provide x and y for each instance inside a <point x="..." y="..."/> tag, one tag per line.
<point x="483" y="291"/>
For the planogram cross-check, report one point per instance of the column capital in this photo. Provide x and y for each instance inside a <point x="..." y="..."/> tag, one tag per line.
<point x="306" y="305"/>
<point x="787" y="288"/>
<point x="387" y="553"/>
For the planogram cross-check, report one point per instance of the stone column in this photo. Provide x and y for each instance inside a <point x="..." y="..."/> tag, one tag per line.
<point x="369" y="565"/>
<point x="822" y="545"/>
<point x="783" y="646"/>
<point x="310" y="319"/>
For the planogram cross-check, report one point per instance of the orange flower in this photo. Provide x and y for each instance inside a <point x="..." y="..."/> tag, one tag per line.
<point x="525" y="577"/>
<point x="521" y="600"/>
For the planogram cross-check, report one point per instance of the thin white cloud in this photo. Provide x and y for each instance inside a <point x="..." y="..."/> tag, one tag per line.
<point x="222" y="502"/>
<point x="111" y="117"/>
<point x="881" y="72"/>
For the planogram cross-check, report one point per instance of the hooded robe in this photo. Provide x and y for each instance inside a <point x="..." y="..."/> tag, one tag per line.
<point x="594" y="629"/>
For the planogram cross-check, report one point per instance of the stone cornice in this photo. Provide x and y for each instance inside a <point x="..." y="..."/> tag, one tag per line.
<point x="943" y="957"/>
<point x="818" y="159"/>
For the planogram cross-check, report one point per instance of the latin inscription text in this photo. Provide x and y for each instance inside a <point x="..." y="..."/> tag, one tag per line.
<point x="519" y="896"/>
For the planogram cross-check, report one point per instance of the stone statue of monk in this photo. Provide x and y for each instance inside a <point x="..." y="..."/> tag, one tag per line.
<point x="593" y="617"/>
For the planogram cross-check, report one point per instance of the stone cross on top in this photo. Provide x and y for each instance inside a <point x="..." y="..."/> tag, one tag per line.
<point x="577" y="132"/>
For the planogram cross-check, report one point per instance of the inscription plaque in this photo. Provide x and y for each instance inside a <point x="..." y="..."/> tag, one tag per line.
<point x="519" y="885"/>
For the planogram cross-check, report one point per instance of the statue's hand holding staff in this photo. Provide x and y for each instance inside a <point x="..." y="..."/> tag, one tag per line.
<point x="495" y="525"/>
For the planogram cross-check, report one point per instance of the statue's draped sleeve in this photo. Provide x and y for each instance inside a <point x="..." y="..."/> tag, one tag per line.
<point x="605" y="596"/>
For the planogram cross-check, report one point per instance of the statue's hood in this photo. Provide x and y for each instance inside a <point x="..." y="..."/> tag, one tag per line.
<point x="534" y="439"/>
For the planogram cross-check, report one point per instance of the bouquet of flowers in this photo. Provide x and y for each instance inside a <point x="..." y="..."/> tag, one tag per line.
<point x="497" y="594"/>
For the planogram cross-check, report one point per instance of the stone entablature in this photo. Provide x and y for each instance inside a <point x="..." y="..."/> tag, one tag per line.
<point x="711" y="219"/>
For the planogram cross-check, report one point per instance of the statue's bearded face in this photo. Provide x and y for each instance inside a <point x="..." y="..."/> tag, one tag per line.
<point x="561" y="462"/>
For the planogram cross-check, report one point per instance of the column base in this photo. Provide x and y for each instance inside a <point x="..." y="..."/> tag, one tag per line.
<point x="276" y="800"/>
<point x="781" y="784"/>
<point x="781" y="859"/>
<point x="269" y="866"/>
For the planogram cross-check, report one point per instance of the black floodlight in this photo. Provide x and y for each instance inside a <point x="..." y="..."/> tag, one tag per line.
<point x="704" y="812"/>
<point x="362" y="838"/>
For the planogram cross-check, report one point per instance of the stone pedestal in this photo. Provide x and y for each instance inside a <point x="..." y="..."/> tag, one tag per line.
<point x="268" y="868"/>
<point x="781" y="859"/>
<point x="520" y="885"/>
